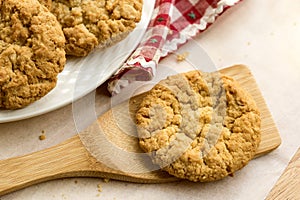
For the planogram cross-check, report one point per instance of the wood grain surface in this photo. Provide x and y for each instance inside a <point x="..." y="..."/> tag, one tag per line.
<point x="72" y="159"/>
<point x="288" y="185"/>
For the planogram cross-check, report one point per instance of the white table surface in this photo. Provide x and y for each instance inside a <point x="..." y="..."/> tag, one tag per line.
<point x="265" y="35"/>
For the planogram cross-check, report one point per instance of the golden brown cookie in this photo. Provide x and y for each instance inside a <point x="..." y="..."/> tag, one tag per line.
<point x="31" y="52"/>
<point x="46" y="3"/>
<point x="199" y="126"/>
<point x="88" y="24"/>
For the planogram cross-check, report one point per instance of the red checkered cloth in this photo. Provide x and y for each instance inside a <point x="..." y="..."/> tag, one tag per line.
<point x="173" y="23"/>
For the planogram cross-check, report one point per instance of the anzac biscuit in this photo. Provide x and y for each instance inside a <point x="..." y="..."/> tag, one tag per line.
<point x="88" y="24"/>
<point x="31" y="52"/>
<point x="199" y="126"/>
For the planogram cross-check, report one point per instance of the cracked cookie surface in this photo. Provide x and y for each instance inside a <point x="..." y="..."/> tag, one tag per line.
<point x="31" y="52"/>
<point x="199" y="126"/>
<point x="88" y="24"/>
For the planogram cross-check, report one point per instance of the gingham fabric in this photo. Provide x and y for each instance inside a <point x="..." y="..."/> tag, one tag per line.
<point x="173" y="23"/>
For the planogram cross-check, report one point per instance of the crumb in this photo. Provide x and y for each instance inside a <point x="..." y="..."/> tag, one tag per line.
<point x="182" y="57"/>
<point x="43" y="131"/>
<point x="42" y="137"/>
<point x="99" y="186"/>
<point x="106" y="180"/>
<point x="75" y="181"/>
<point x="63" y="196"/>
<point x="248" y="43"/>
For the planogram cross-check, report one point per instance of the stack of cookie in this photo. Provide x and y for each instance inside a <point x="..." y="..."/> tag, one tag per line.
<point x="36" y="36"/>
<point x="199" y="126"/>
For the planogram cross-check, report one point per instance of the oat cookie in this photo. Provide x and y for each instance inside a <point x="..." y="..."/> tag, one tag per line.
<point x="46" y="3"/>
<point x="31" y="52"/>
<point x="199" y="126"/>
<point x="95" y="23"/>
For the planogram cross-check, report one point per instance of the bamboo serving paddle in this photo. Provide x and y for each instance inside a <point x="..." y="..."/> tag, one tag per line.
<point x="287" y="186"/>
<point x="72" y="159"/>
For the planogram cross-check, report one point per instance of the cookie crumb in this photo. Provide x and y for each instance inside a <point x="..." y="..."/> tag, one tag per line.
<point x="75" y="181"/>
<point x="42" y="136"/>
<point x="99" y="189"/>
<point x="106" y="180"/>
<point x="63" y="196"/>
<point x="99" y="186"/>
<point x="182" y="57"/>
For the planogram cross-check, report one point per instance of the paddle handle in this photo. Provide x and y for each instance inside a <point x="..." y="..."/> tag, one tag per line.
<point x="64" y="160"/>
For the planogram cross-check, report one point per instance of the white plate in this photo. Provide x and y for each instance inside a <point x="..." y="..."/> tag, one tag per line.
<point x="82" y="75"/>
